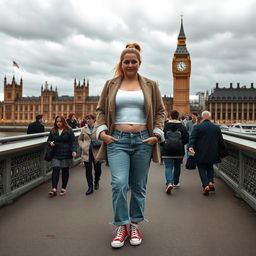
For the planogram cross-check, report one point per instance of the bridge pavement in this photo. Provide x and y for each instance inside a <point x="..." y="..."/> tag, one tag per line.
<point x="184" y="223"/>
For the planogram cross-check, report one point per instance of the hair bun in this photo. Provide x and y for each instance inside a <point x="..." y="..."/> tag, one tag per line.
<point x="134" y="45"/>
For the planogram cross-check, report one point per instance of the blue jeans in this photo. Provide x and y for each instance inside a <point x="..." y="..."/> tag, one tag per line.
<point x="129" y="159"/>
<point x="206" y="173"/>
<point x="172" y="170"/>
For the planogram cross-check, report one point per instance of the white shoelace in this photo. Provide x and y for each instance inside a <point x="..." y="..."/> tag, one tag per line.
<point x="119" y="232"/>
<point x="134" y="230"/>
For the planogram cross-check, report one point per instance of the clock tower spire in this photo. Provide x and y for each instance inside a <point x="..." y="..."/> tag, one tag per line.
<point x="181" y="67"/>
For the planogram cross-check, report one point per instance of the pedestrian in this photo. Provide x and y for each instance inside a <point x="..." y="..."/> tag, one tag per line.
<point x="82" y="123"/>
<point x="130" y="117"/>
<point x="37" y="126"/>
<point x="90" y="147"/>
<point x="176" y="136"/>
<point x="191" y="123"/>
<point x="72" y="121"/>
<point x="63" y="141"/>
<point x="198" y="119"/>
<point x="207" y="143"/>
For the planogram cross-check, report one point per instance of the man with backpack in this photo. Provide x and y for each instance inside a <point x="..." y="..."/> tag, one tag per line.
<point x="176" y="136"/>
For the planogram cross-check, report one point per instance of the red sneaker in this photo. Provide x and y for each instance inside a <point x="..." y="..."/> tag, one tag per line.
<point x="135" y="235"/>
<point x="121" y="234"/>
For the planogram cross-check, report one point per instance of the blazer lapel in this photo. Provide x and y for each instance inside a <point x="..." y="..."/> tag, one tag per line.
<point x="113" y="88"/>
<point x="147" y="94"/>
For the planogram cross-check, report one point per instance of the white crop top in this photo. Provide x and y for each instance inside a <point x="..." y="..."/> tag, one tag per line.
<point x="130" y="107"/>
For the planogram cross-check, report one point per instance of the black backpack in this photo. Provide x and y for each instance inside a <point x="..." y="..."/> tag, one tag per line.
<point x="173" y="142"/>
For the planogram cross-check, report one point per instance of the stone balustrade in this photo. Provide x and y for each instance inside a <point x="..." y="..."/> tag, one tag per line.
<point x="238" y="169"/>
<point x="22" y="164"/>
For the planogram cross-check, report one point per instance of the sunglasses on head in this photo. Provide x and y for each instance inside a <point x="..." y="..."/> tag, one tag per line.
<point x="127" y="62"/>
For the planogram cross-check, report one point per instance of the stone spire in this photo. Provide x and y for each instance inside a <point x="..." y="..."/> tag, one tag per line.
<point x="181" y="46"/>
<point x="182" y="33"/>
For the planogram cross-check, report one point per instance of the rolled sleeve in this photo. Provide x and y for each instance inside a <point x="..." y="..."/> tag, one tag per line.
<point x="100" y="129"/>
<point x="161" y="134"/>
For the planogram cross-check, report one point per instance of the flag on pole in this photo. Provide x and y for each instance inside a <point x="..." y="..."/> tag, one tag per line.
<point x="15" y="64"/>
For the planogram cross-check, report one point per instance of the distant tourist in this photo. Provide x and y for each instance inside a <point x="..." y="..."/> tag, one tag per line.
<point x="82" y="123"/>
<point x="37" y="126"/>
<point x="189" y="126"/>
<point x="207" y="143"/>
<point x="72" y="121"/>
<point x="199" y="120"/>
<point x="191" y="123"/>
<point x="63" y="141"/>
<point x="90" y="147"/>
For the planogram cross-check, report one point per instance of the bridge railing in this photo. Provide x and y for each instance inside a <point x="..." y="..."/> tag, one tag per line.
<point x="238" y="169"/>
<point x="22" y="164"/>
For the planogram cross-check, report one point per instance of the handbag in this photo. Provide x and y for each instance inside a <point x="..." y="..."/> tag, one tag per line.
<point x="48" y="154"/>
<point x="191" y="163"/>
<point x="96" y="144"/>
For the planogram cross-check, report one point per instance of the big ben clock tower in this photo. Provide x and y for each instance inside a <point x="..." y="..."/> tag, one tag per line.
<point x="181" y="67"/>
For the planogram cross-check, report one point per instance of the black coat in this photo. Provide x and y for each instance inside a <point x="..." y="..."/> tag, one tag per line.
<point x="35" y="127"/>
<point x="173" y="126"/>
<point x="65" y="144"/>
<point x="72" y="123"/>
<point x="208" y="143"/>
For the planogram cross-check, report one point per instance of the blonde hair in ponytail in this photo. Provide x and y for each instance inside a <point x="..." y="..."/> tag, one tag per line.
<point x="129" y="48"/>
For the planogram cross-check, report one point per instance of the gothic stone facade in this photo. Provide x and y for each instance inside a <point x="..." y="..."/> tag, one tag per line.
<point x="23" y="110"/>
<point x="231" y="105"/>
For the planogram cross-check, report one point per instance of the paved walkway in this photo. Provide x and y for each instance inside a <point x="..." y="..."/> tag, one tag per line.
<point x="185" y="223"/>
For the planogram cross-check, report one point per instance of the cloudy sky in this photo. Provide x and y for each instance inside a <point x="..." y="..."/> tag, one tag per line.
<point x="59" y="40"/>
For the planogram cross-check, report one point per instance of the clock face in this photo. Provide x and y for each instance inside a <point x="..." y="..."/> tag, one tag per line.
<point x="181" y="66"/>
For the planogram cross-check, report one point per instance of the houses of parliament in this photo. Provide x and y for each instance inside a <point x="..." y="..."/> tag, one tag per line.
<point x="19" y="109"/>
<point x="227" y="105"/>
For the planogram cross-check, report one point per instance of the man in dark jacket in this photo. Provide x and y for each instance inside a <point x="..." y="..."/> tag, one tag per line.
<point x="37" y="126"/>
<point x="206" y="142"/>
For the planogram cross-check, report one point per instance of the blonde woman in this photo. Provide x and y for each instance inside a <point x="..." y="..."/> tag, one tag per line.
<point x="130" y="117"/>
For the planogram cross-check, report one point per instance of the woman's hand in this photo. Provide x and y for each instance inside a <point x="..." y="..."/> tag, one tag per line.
<point x="74" y="154"/>
<point x="107" y="138"/>
<point x="52" y="144"/>
<point x="151" y="140"/>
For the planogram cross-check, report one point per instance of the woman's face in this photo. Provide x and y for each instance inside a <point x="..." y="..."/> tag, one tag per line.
<point x="130" y="64"/>
<point x="90" y="122"/>
<point x="59" y="123"/>
<point x="73" y="117"/>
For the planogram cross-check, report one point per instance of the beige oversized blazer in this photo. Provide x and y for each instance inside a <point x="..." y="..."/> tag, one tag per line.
<point x="154" y="110"/>
<point x="84" y="141"/>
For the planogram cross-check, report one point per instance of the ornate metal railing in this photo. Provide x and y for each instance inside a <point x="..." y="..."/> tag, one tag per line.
<point x="22" y="165"/>
<point x="238" y="169"/>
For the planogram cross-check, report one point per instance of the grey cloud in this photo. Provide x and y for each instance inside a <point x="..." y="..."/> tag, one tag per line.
<point x="45" y="41"/>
